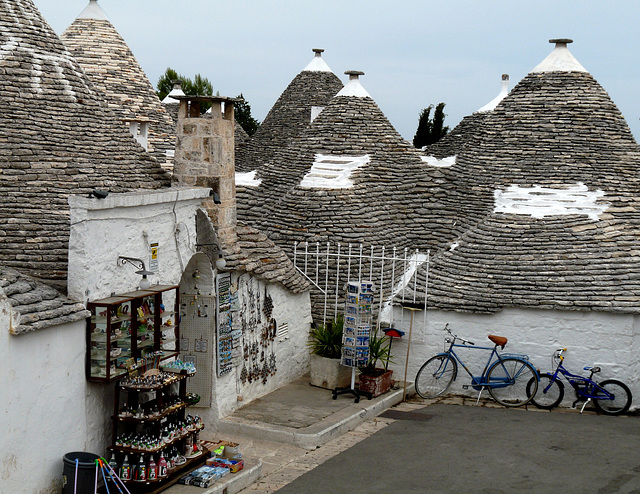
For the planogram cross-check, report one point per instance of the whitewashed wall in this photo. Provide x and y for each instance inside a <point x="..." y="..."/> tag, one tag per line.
<point x="125" y="225"/>
<point x="592" y="338"/>
<point x="45" y="409"/>
<point x="292" y="355"/>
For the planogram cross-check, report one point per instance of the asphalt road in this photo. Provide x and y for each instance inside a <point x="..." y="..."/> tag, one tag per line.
<point x="449" y="448"/>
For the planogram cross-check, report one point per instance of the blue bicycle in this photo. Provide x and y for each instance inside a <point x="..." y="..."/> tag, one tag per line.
<point x="510" y="378"/>
<point x="610" y="396"/>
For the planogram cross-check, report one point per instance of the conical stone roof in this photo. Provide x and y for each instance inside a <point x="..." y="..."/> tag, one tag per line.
<point x="57" y="138"/>
<point x="109" y="62"/>
<point x="291" y="113"/>
<point x="390" y="197"/>
<point x="548" y="194"/>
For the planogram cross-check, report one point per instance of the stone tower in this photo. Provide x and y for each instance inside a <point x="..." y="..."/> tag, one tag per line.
<point x="205" y="157"/>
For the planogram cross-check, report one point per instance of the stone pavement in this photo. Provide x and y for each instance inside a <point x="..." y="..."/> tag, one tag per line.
<point x="298" y="428"/>
<point x="291" y="431"/>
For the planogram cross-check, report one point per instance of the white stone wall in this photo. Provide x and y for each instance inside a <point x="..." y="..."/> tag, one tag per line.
<point x="45" y="403"/>
<point x="292" y="355"/>
<point x="125" y="225"/>
<point x="608" y="340"/>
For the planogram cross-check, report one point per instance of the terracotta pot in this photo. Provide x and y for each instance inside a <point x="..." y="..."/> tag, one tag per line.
<point x="378" y="384"/>
<point x="328" y="373"/>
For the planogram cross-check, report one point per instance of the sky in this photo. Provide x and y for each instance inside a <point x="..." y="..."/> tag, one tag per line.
<point x="414" y="53"/>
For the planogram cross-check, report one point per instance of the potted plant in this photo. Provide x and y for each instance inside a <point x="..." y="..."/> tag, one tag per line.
<point x="325" y="344"/>
<point x="373" y="378"/>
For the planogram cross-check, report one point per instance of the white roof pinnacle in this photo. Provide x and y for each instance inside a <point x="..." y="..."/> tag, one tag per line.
<point x="93" y="11"/>
<point x="560" y="59"/>
<point x="317" y="64"/>
<point x="504" y="90"/>
<point x="353" y="87"/>
<point x="176" y="91"/>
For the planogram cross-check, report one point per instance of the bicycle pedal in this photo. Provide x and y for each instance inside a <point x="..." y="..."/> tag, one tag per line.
<point x="465" y="386"/>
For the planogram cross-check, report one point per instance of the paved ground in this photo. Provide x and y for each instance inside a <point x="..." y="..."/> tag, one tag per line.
<point x="450" y="445"/>
<point x="452" y="448"/>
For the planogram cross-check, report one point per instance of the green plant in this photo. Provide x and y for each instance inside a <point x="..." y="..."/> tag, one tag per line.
<point x="379" y="351"/>
<point x="326" y="339"/>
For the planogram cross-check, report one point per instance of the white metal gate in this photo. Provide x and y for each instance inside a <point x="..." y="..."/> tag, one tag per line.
<point x="329" y="267"/>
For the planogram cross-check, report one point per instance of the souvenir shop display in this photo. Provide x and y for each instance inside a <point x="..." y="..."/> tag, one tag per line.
<point x="356" y="332"/>
<point x="124" y="329"/>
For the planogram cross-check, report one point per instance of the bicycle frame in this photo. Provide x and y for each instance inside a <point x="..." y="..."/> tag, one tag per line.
<point x="479" y="382"/>
<point x="585" y="387"/>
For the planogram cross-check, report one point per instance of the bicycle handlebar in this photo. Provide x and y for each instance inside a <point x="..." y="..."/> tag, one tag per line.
<point x="456" y="337"/>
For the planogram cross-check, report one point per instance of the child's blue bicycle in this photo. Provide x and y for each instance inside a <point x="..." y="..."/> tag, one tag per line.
<point x="506" y="376"/>
<point x="610" y="396"/>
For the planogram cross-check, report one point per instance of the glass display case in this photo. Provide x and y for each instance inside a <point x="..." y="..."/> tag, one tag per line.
<point x="125" y="329"/>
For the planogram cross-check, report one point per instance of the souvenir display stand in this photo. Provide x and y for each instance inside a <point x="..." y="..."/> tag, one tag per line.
<point x="356" y="333"/>
<point x="123" y="329"/>
<point x="152" y="431"/>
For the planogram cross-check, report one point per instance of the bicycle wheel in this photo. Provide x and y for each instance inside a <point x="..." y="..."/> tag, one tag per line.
<point x="621" y="397"/>
<point x="550" y="392"/>
<point x="508" y="381"/>
<point x="435" y="376"/>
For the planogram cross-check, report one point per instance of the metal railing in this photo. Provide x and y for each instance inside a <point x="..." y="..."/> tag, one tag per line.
<point x="329" y="267"/>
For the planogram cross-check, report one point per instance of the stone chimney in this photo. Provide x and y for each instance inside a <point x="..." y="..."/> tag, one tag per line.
<point x="204" y="157"/>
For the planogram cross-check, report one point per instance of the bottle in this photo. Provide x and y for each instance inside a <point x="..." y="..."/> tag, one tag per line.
<point x="125" y="471"/>
<point x="162" y="467"/>
<point x="142" y="470"/>
<point x="152" y="470"/>
<point x="113" y="463"/>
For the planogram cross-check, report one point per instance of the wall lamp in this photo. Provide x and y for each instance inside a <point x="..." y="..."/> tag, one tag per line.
<point x="142" y="270"/>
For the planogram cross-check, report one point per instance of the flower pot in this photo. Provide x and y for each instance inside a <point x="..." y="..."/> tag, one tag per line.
<point x="378" y="383"/>
<point x="328" y="373"/>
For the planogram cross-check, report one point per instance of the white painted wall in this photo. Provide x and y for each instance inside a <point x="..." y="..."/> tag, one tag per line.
<point x="592" y="338"/>
<point x="292" y="355"/>
<point x="125" y="225"/>
<point x="45" y="405"/>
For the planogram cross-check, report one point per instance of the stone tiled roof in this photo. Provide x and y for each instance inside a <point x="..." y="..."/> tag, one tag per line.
<point x="395" y="199"/>
<point x="456" y="140"/>
<point x="557" y="130"/>
<point x="256" y="254"/>
<point x="288" y="117"/>
<point x="112" y="67"/>
<point x="36" y="305"/>
<point x="56" y="138"/>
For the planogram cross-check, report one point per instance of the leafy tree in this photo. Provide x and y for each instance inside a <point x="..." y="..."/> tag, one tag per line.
<point x="243" y="115"/>
<point x="201" y="86"/>
<point x="430" y="130"/>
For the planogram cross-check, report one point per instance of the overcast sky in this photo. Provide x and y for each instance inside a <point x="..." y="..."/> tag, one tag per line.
<point x="413" y="52"/>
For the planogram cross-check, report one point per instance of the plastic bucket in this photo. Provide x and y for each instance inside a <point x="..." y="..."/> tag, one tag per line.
<point x="85" y="480"/>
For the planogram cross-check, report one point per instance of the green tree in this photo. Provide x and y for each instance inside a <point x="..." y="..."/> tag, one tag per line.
<point x="430" y="130"/>
<point x="201" y="86"/>
<point x="198" y="86"/>
<point x="243" y="115"/>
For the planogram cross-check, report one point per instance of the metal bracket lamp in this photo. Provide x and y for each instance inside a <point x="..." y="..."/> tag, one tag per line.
<point x="142" y="270"/>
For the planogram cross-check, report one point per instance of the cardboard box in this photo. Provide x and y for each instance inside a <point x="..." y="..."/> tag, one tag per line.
<point x="233" y="464"/>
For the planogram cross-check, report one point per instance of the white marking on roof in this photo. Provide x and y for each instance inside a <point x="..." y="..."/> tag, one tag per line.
<point x="559" y="60"/>
<point x="332" y="171"/>
<point x="60" y="63"/>
<point x="439" y="163"/>
<point x="354" y="88"/>
<point x="544" y="201"/>
<point x="247" y="179"/>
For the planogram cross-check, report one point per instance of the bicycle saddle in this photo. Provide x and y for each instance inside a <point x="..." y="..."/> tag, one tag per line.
<point x="498" y="340"/>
